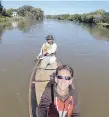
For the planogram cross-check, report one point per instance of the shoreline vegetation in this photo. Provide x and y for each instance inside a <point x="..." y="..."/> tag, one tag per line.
<point x="98" y="17"/>
<point x="22" y="13"/>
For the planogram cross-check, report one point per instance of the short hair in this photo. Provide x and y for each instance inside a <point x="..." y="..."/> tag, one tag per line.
<point x="65" y="67"/>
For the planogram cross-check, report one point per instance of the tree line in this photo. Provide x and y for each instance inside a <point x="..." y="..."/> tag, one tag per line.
<point x="1" y="7"/>
<point x="25" y="11"/>
<point x="98" y="16"/>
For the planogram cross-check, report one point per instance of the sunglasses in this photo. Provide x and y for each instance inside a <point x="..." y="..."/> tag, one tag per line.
<point x="64" y="77"/>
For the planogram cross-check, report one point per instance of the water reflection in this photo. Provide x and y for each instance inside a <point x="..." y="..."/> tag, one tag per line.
<point x="3" y="27"/>
<point x="98" y="32"/>
<point x="25" y="26"/>
<point x="14" y="24"/>
<point x="1" y="32"/>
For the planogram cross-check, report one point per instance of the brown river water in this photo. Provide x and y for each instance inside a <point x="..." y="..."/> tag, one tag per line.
<point x="82" y="46"/>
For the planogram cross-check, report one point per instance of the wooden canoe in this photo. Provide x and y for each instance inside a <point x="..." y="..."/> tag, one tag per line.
<point x="39" y="79"/>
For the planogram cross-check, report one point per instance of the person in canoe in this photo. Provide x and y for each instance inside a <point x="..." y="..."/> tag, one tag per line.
<point x="59" y="98"/>
<point x="47" y="52"/>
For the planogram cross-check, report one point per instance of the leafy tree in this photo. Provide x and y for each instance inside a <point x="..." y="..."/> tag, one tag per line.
<point x="1" y="8"/>
<point x="9" y="12"/>
<point x="24" y="9"/>
<point x="31" y="12"/>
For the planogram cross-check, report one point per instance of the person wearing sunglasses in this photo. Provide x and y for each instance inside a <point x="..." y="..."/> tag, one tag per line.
<point x="60" y="97"/>
<point x="47" y="52"/>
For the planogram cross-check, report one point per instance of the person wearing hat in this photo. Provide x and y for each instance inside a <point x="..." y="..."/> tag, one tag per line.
<point x="47" y="52"/>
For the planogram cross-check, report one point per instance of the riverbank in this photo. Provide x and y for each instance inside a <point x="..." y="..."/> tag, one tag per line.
<point x="17" y="18"/>
<point x="3" y="19"/>
<point x="104" y="24"/>
<point x="7" y="20"/>
<point x="98" y="17"/>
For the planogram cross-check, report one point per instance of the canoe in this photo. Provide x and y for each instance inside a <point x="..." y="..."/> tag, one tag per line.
<point x="39" y="78"/>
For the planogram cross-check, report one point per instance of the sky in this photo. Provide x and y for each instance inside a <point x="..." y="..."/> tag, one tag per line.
<point x="60" y="7"/>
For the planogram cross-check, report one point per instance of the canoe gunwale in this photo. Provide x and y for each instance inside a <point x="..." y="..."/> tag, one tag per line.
<point x="30" y="87"/>
<point x="33" y="82"/>
<point x="45" y="69"/>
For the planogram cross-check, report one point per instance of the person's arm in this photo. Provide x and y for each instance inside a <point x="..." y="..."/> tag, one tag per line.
<point x="44" y="103"/>
<point x="76" y="111"/>
<point x="41" y="52"/>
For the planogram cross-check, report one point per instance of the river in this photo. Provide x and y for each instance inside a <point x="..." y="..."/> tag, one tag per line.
<point x="84" y="47"/>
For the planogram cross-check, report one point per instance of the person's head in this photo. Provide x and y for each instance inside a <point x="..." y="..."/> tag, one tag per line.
<point x="50" y="39"/>
<point x="64" y="77"/>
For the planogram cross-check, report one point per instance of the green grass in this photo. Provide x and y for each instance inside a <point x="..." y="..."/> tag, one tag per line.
<point x="104" y="24"/>
<point x="4" y="19"/>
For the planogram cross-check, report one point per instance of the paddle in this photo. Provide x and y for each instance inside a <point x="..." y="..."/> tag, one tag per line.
<point x="42" y="56"/>
<point x="38" y="58"/>
<point x="40" y="81"/>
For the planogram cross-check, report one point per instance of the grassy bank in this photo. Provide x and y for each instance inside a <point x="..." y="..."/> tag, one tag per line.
<point x="18" y="18"/>
<point x="4" y="19"/>
<point x="99" y="17"/>
<point x="104" y="24"/>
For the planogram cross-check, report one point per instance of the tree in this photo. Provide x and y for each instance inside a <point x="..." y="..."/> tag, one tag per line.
<point x="106" y="17"/>
<point x="1" y="8"/>
<point x="24" y="9"/>
<point x="9" y="11"/>
<point x="31" y="12"/>
<point x="4" y="12"/>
